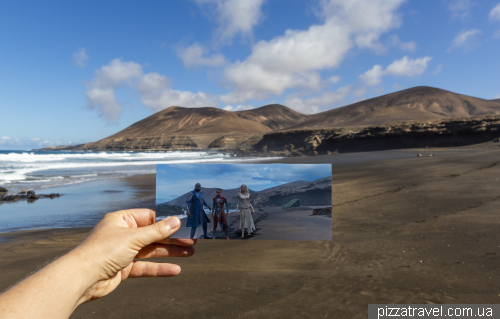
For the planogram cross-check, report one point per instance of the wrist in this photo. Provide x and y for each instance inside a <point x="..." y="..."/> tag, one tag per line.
<point x="86" y="273"/>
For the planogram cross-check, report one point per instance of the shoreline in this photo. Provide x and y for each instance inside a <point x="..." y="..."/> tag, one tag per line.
<point x="417" y="230"/>
<point x="82" y="205"/>
<point x="143" y="195"/>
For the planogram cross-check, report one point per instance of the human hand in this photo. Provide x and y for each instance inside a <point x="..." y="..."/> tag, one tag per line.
<point x="188" y="213"/>
<point x="121" y="237"/>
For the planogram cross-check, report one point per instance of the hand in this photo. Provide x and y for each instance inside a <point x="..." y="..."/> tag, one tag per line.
<point x="121" y="237"/>
<point x="188" y="213"/>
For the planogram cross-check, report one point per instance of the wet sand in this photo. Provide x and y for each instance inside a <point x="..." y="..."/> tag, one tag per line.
<point x="81" y="205"/>
<point x="272" y="223"/>
<point x="410" y="230"/>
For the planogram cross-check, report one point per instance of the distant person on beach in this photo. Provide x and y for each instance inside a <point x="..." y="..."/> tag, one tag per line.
<point x="245" y="211"/>
<point x="196" y="214"/>
<point x="218" y="212"/>
<point x="93" y="269"/>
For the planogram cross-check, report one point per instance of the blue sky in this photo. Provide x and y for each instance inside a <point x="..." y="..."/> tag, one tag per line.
<point x="76" y="72"/>
<point x="174" y="180"/>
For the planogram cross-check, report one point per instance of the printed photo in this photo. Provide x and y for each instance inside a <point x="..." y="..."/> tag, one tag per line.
<point x="247" y="201"/>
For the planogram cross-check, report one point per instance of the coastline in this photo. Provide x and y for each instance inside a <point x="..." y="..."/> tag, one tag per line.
<point x="81" y="205"/>
<point x="416" y="230"/>
<point x="138" y="191"/>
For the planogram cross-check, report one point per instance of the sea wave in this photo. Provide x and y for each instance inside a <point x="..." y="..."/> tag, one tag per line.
<point x="41" y="169"/>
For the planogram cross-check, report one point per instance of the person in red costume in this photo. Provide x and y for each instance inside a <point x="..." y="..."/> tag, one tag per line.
<point x="218" y="213"/>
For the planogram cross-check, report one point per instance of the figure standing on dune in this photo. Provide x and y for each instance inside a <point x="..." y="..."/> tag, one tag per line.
<point x="196" y="214"/>
<point x="218" y="212"/>
<point x="245" y="211"/>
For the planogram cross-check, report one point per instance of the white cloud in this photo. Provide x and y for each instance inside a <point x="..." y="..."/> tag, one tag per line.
<point x="238" y="107"/>
<point x="438" y="70"/>
<point x="403" y="67"/>
<point x="496" y="34"/>
<point x="359" y="90"/>
<point x="317" y="103"/>
<point x="406" y="46"/>
<point x="195" y="55"/>
<point x="464" y="40"/>
<point x="460" y="8"/>
<point x="156" y="94"/>
<point x="293" y="60"/>
<point x="373" y="76"/>
<point x="408" y="67"/>
<point x="154" y="90"/>
<point x="334" y="79"/>
<point x="28" y="143"/>
<point x="104" y="101"/>
<point x="234" y="17"/>
<point x="495" y="13"/>
<point x="80" y="58"/>
<point x="5" y="140"/>
<point x="497" y="96"/>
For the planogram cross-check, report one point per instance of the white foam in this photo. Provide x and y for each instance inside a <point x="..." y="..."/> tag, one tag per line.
<point x="23" y="167"/>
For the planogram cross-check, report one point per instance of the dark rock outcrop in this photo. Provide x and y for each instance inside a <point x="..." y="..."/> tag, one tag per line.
<point x="169" y="210"/>
<point x="322" y="211"/>
<point x="30" y="196"/>
<point x="318" y="192"/>
<point x="276" y="128"/>
<point x="412" y="134"/>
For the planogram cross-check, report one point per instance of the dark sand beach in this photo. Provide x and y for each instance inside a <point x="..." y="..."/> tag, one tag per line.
<point x="407" y="230"/>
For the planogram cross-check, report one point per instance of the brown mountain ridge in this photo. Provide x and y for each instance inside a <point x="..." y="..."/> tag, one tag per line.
<point x="208" y="128"/>
<point x="418" y="103"/>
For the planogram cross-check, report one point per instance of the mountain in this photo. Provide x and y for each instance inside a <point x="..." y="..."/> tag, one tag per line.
<point x="196" y="128"/>
<point x="314" y="193"/>
<point x="274" y="116"/>
<point x="418" y="103"/>
<point x="208" y="128"/>
<point x="209" y="194"/>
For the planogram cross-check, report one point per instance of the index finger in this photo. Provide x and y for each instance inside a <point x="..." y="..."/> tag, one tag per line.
<point x="138" y="217"/>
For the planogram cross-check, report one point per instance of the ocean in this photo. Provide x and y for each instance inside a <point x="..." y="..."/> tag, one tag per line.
<point x="92" y="184"/>
<point x="26" y="170"/>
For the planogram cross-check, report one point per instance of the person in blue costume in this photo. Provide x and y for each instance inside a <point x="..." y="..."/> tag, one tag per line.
<point x="196" y="214"/>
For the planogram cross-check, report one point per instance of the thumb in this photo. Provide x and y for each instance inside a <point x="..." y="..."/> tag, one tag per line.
<point x="159" y="231"/>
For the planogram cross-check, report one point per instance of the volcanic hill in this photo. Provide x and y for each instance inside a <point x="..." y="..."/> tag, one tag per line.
<point x="196" y="128"/>
<point x="317" y="192"/>
<point x="418" y="103"/>
<point x="208" y="128"/>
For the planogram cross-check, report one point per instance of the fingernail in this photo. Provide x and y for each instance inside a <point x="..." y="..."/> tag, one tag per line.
<point x="173" y="222"/>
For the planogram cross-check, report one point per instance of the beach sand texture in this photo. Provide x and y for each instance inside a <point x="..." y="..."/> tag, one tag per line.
<point x="415" y="230"/>
<point x="272" y="223"/>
